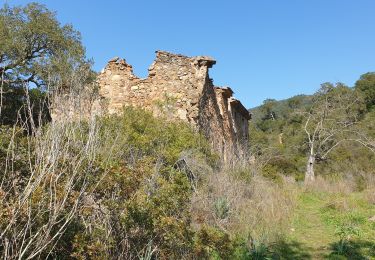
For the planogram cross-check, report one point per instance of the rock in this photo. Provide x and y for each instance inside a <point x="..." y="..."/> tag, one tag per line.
<point x="114" y="59"/>
<point x="182" y="114"/>
<point x="116" y="77"/>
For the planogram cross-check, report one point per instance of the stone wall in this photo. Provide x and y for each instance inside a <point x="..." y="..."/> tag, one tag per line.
<point x="180" y="87"/>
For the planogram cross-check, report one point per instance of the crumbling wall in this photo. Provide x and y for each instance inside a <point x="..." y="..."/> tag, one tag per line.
<point x="235" y="127"/>
<point x="174" y="85"/>
<point x="180" y="87"/>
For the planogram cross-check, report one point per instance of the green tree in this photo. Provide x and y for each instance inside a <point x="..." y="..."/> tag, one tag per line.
<point x="268" y="109"/>
<point x="366" y="86"/>
<point x="37" y="52"/>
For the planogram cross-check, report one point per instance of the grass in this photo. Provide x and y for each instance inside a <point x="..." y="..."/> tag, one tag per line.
<point x="327" y="219"/>
<point x="330" y="226"/>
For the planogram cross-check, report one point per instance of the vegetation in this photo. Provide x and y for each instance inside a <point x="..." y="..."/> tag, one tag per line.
<point x="326" y="140"/>
<point x="36" y="54"/>
<point x="132" y="186"/>
<point x="329" y="130"/>
<point x="332" y="221"/>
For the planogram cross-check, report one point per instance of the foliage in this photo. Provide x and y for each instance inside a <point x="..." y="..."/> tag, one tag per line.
<point x="346" y="231"/>
<point x="366" y="86"/>
<point x="133" y="193"/>
<point x="37" y="54"/>
<point x="340" y="131"/>
<point x="43" y="185"/>
<point x="213" y="243"/>
<point x="145" y="197"/>
<point x="35" y="46"/>
<point x="329" y="122"/>
<point x="259" y="251"/>
<point x="221" y="208"/>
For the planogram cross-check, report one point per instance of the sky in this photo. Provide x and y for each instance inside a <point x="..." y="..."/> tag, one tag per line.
<point x="263" y="48"/>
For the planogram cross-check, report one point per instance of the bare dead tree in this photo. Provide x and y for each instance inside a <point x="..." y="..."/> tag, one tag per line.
<point x="329" y="122"/>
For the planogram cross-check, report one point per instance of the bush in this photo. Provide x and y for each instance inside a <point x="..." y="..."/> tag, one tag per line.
<point x="144" y="197"/>
<point x="221" y="208"/>
<point x="116" y="189"/>
<point x="347" y="230"/>
<point x="212" y="243"/>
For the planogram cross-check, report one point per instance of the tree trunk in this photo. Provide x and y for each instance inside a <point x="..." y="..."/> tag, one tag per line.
<point x="309" y="175"/>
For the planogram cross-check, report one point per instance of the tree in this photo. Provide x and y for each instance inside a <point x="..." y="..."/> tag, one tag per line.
<point x="330" y="121"/>
<point x="268" y="109"/>
<point x="35" y="50"/>
<point x="366" y="86"/>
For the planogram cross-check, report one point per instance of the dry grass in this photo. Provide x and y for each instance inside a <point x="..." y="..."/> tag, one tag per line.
<point x="370" y="195"/>
<point x="60" y="158"/>
<point x="254" y="207"/>
<point x="336" y="189"/>
<point x="241" y="202"/>
<point x="333" y="186"/>
<point x="370" y="189"/>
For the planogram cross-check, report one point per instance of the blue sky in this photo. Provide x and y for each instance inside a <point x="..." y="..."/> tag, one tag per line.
<point x="264" y="48"/>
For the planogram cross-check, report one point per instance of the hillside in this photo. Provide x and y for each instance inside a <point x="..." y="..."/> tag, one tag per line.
<point x="279" y="128"/>
<point x="279" y="108"/>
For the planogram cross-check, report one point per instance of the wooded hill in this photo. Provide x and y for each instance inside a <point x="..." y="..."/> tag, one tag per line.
<point x="339" y="121"/>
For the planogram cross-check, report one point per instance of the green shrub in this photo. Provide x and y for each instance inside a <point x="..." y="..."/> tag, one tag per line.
<point x="347" y="229"/>
<point x="212" y="243"/>
<point x="221" y="208"/>
<point x="145" y="196"/>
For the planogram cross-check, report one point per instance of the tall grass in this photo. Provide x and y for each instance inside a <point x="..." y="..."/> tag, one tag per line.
<point x="255" y="207"/>
<point x="45" y="175"/>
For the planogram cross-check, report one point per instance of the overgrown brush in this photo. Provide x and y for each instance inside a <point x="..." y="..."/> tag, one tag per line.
<point x="252" y="209"/>
<point x="44" y="180"/>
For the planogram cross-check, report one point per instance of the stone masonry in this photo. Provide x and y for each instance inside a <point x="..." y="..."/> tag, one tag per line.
<point x="180" y="88"/>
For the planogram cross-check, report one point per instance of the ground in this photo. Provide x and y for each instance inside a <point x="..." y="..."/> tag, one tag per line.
<point x="319" y="220"/>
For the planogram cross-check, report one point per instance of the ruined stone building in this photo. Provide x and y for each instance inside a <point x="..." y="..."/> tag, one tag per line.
<point x="180" y="87"/>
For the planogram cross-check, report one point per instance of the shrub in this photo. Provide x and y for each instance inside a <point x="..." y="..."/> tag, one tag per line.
<point x="221" y="208"/>
<point x="106" y="187"/>
<point x="212" y="243"/>
<point x="346" y="230"/>
<point x="144" y="196"/>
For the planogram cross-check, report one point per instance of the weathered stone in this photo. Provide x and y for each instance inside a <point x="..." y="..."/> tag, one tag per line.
<point x="183" y="85"/>
<point x="180" y="87"/>
<point x="114" y="59"/>
<point x="182" y="114"/>
<point x="116" y="77"/>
